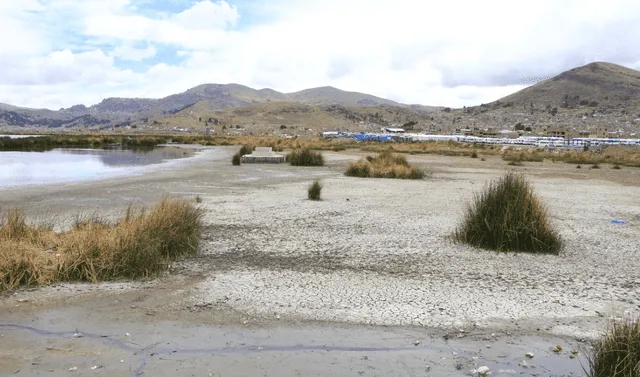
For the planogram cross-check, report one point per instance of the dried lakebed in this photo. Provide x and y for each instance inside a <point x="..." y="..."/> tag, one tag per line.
<point x="286" y="286"/>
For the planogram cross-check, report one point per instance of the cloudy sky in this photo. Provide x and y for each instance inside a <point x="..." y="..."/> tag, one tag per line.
<point x="57" y="53"/>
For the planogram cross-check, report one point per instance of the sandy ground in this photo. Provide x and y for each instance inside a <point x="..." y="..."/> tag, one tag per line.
<point x="365" y="282"/>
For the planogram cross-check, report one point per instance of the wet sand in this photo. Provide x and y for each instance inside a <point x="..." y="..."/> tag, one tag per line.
<point x="345" y="286"/>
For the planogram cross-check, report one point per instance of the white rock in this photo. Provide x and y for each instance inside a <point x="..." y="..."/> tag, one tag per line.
<point x="483" y="371"/>
<point x="529" y="355"/>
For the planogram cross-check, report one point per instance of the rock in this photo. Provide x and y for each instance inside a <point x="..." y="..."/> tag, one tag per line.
<point x="73" y="369"/>
<point x="417" y="343"/>
<point x="483" y="371"/>
<point x="529" y="355"/>
<point x="524" y="364"/>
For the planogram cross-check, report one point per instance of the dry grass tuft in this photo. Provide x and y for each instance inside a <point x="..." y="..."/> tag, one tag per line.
<point x="315" y="190"/>
<point x="305" y="157"/>
<point x="139" y="245"/>
<point x="385" y="165"/>
<point x="617" y="353"/>
<point x="508" y="216"/>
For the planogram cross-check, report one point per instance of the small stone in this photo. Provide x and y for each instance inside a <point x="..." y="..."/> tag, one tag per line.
<point x="126" y="334"/>
<point x="524" y="364"/>
<point x="483" y="371"/>
<point x="73" y="369"/>
<point x="96" y="367"/>
<point x="417" y="343"/>
<point x="529" y="355"/>
<point x="78" y="335"/>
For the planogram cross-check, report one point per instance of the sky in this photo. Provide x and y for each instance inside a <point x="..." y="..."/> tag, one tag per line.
<point x="58" y="53"/>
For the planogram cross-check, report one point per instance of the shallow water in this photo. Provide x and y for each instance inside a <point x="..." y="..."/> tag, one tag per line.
<point x="72" y="165"/>
<point x="20" y="136"/>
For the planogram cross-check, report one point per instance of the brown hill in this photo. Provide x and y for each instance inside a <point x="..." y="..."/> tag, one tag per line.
<point x="126" y="111"/>
<point x="282" y="117"/>
<point x="594" y="84"/>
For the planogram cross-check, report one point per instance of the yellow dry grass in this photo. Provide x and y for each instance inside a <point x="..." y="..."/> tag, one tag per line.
<point x="137" y="246"/>
<point x="385" y="165"/>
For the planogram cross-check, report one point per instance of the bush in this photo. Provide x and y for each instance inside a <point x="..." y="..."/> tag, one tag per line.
<point x="137" y="246"/>
<point x="595" y="166"/>
<point x="617" y="167"/>
<point x="508" y="216"/>
<point x="360" y="169"/>
<point x="315" y="190"/>
<point x="305" y="157"/>
<point x="474" y="154"/>
<point x="617" y="353"/>
<point x="385" y="165"/>
<point x="236" y="159"/>
<point x="246" y="149"/>
<point x="578" y="167"/>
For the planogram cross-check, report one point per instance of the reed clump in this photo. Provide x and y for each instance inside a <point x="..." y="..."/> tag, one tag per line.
<point x="385" y="165"/>
<point x="139" y="245"/>
<point x="617" y="352"/>
<point x="508" y="216"/>
<point x="315" y="190"/>
<point x="305" y="157"/>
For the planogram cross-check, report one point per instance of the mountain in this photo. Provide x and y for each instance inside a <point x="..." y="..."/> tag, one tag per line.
<point x="597" y="95"/>
<point x="598" y="99"/>
<point x="125" y="111"/>
<point x="328" y="95"/>
<point x="590" y="85"/>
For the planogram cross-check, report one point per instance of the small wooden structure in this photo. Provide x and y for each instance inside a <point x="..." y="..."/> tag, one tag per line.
<point x="263" y="155"/>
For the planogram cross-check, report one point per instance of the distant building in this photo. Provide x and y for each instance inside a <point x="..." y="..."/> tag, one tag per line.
<point x="558" y="132"/>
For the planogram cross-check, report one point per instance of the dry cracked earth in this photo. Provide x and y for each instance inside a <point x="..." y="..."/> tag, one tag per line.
<point x="364" y="282"/>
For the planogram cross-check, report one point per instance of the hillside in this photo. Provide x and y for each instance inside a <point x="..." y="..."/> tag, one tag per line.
<point x="595" y="96"/>
<point x="590" y="85"/>
<point x="283" y="117"/>
<point x="126" y="111"/>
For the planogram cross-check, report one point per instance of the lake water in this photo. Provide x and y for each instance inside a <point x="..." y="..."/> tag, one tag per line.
<point x="71" y="165"/>
<point x="20" y="136"/>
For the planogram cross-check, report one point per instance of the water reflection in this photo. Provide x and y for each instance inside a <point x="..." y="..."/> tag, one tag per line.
<point x="69" y="165"/>
<point x="121" y="157"/>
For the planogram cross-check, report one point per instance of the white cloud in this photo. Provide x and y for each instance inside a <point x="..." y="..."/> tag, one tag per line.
<point x="126" y="52"/>
<point x="200" y="27"/>
<point x="450" y="53"/>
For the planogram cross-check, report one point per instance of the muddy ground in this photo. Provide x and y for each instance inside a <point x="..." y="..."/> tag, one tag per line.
<point x="363" y="283"/>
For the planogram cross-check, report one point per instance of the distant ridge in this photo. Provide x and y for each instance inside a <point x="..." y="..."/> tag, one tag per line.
<point x="215" y="96"/>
